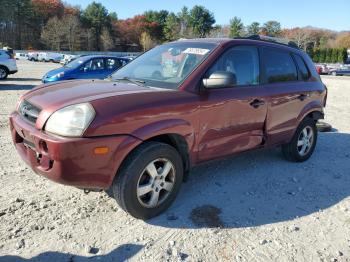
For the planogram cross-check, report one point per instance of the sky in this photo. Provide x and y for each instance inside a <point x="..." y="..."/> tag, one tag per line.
<point x="330" y="14"/>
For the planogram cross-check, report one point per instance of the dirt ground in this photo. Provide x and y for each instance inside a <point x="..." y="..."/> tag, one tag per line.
<point x="253" y="207"/>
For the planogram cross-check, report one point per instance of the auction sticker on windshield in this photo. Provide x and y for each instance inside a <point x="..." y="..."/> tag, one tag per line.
<point x="196" y="51"/>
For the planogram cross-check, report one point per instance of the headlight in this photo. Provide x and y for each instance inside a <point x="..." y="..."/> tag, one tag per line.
<point x="71" y="121"/>
<point x="59" y="75"/>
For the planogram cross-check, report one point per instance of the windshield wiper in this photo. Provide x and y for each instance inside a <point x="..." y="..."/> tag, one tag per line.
<point x="134" y="81"/>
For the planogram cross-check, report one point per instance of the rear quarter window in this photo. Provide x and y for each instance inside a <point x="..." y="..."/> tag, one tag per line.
<point x="278" y="66"/>
<point x="304" y="73"/>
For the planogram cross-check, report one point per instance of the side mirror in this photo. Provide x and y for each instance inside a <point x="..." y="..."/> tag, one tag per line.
<point x="220" y="79"/>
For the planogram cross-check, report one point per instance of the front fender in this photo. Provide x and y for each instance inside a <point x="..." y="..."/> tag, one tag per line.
<point x="168" y="126"/>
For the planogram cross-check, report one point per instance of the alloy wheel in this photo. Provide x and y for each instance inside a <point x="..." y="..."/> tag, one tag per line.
<point x="156" y="183"/>
<point x="305" y="141"/>
<point x="2" y="73"/>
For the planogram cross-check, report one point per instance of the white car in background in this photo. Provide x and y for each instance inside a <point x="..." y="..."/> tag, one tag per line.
<point x="21" y="56"/>
<point x="42" y="56"/>
<point x="33" y="56"/>
<point x="7" y="64"/>
<point x="67" y="58"/>
<point x="49" y="57"/>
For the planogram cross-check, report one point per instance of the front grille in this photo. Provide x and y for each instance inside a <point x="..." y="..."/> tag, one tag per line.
<point x="29" y="111"/>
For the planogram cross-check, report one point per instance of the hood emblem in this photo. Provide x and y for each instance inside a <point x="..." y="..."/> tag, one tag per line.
<point x="25" y="109"/>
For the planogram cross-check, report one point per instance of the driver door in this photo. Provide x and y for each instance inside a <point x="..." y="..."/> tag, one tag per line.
<point x="232" y="117"/>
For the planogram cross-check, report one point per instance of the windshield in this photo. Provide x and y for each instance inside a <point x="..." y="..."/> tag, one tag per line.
<point x="76" y="62"/>
<point x="166" y="66"/>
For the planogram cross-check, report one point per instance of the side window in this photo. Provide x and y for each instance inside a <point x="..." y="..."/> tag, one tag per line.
<point x="302" y="68"/>
<point x="242" y="61"/>
<point x="113" y="63"/>
<point x="94" y="64"/>
<point x="5" y="55"/>
<point x="279" y="66"/>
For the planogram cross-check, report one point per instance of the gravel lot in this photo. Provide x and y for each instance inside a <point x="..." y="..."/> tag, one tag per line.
<point x="254" y="207"/>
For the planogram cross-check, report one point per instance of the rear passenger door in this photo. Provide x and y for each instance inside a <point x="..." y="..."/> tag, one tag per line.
<point x="112" y="64"/>
<point x="287" y="84"/>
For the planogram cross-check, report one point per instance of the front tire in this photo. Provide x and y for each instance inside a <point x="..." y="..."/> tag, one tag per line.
<point x="149" y="180"/>
<point x="3" y="73"/>
<point x="303" y="143"/>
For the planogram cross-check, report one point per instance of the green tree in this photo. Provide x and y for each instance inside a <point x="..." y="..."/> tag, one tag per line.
<point x="184" y="18"/>
<point x="253" y="28"/>
<point x="113" y="16"/>
<point x="201" y="21"/>
<point x="236" y="27"/>
<point x="328" y="55"/>
<point x="272" y="28"/>
<point x="334" y="55"/>
<point x="159" y="18"/>
<point x="322" y="55"/>
<point x="96" y="17"/>
<point x="342" y="55"/>
<point x="323" y="41"/>
<point x="15" y="14"/>
<point x="172" y="27"/>
<point x="316" y="55"/>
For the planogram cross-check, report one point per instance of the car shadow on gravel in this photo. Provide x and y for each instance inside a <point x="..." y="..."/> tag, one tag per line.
<point x="122" y="253"/>
<point x="21" y="79"/>
<point x="260" y="187"/>
<point x="13" y="87"/>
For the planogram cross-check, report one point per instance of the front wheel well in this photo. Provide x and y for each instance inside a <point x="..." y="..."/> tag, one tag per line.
<point x="4" y="67"/>
<point x="179" y="143"/>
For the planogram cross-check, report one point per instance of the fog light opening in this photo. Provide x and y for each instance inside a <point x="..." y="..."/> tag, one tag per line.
<point x="43" y="146"/>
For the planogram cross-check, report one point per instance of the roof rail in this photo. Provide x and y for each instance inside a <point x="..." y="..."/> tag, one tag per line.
<point x="281" y="41"/>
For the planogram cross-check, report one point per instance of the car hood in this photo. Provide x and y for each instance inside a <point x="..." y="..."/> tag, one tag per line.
<point x="51" y="97"/>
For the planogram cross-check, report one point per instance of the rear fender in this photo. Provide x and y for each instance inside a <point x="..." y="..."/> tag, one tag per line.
<point x="315" y="108"/>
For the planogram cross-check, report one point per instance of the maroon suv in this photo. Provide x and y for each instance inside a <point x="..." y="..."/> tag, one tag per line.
<point x="138" y="133"/>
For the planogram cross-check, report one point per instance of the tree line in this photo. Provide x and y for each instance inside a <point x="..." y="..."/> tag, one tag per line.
<point x="329" y="55"/>
<point x="55" y="25"/>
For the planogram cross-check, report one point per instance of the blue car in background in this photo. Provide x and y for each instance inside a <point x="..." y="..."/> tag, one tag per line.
<point x="86" y="67"/>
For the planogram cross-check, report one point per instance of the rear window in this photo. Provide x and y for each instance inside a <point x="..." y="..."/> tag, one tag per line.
<point x="279" y="66"/>
<point x="304" y="73"/>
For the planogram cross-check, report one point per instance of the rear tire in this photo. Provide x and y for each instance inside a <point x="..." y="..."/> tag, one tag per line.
<point x="148" y="180"/>
<point x="3" y="72"/>
<point x="303" y="143"/>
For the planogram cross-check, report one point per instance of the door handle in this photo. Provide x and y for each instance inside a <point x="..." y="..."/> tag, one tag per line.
<point x="256" y="103"/>
<point x="302" y="97"/>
